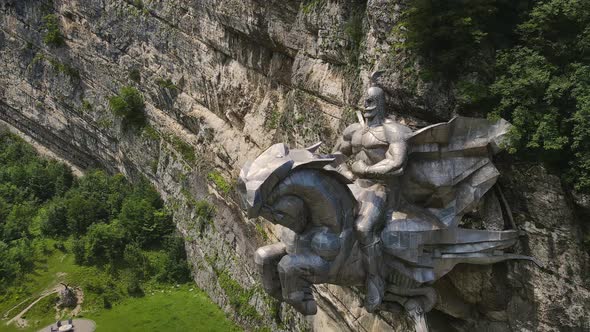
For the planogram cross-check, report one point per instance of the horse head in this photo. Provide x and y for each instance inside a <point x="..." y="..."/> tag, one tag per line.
<point x="294" y="189"/>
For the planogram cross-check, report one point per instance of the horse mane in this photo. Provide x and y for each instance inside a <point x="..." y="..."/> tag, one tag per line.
<point x="329" y="201"/>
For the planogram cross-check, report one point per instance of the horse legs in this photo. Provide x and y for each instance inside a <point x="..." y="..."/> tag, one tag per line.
<point x="416" y="302"/>
<point x="267" y="258"/>
<point x="297" y="274"/>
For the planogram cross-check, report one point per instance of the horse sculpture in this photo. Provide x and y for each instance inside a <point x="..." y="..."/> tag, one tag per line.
<point x="448" y="171"/>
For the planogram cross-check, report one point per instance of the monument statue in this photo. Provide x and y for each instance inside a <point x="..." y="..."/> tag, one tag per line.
<point x="382" y="211"/>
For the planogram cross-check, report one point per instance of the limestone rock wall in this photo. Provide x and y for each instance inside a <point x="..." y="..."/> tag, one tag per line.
<point x="245" y="74"/>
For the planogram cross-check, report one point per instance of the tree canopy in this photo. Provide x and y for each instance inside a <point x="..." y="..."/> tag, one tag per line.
<point x="526" y="61"/>
<point x="110" y="221"/>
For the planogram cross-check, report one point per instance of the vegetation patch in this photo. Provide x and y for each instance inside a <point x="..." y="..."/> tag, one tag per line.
<point x="113" y="239"/>
<point x="348" y="116"/>
<point x="57" y="65"/>
<point x="104" y="123"/>
<point x="135" y="75"/>
<point x="154" y="166"/>
<point x="272" y="118"/>
<point x="138" y="4"/>
<point x="184" y="308"/>
<point x="220" y="183"/>
<point x="40" y="200"/>
<point x="166" y="84"/>
<point x="238" y="297"/>
<point x="53" y="36"/>
<point x="303" y="123"/>
<point x="261" y="231"/>
<point x="205" y="212"/>
<point x="505" y="59"/>
<point x="129" y="105"/>
<point x="542" y="87"/>
<point x="41" y="310"/>
<point x="186" y="150"/>
<point x="309" y="6"/>
<point x="169" y="91"/>
<point x="151" y="133"/>
<point x="353" y="28"/>
<point x="86" y="106"/>
<point x="64" y="68"/>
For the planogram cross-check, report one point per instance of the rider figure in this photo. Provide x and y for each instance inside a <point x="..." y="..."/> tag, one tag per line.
<point x="379" y="150"/>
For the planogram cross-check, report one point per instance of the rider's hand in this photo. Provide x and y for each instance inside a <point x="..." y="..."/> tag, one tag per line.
<point x="359" y="167"/>
<point x="397" y="172"/>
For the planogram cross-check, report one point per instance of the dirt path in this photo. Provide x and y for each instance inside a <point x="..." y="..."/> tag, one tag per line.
<point x="18" y="318"/>
<point x="16" y="306"/>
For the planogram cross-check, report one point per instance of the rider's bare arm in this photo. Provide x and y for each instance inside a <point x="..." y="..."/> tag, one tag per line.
<point x="395" y="157"/>
<point x="344" y="147"/>
<point x="344" y="144"/>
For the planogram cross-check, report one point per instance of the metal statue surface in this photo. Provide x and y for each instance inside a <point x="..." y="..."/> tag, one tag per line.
<point x="389" y="221"/>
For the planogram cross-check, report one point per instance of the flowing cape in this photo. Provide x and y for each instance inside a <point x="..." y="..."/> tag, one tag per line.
<point x="448" y="171"/>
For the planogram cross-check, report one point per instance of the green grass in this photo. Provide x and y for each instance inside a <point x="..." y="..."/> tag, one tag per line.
<point x="164" y="307"/>
<point x="42" y="313"/>
<point x="186" y="150"/>
<point x="44" y="276"/>
<point x="238" y="296"/>
<point x="86" y="106"/>
<point x="272" y="119"/>
<point x="185" y="308"/>
<point x="220" y="182"/>
<point x="56" y="267"/>
<point x="310" y="5"/>
<point x="169" y="309"/>
<point x="166" y="84"/>
<point x="151" y="133"/>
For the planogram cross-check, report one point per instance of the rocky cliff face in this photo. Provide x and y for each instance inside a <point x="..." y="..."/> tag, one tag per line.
<point x="222" y="80"/>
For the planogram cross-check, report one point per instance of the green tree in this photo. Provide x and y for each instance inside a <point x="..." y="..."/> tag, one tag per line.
<point x="104" y="243"/>
<point x="45" y="179"/>
<point x="453" y="37"/>
<point x="176" y="268"/>
<point x="40" y="198"/>
<point x="525" y="61"/>
<point x="146" y="191"/>
<point x="118" y="189"/>
<point x="11" y="194"/>
<point x="79" y="251"/>
<point x="62" y="177"/>
<point x="543" y="88"/>
<point x="83" y="212"/>
<point x="18" y="221"/>
<point x="53" y="36"/>
<point x="144" y="223"/>
<point x="137" y="261"/>
<point x="16" y="259"/>
<point x="53" y="219"/>
<point x="129" y="105"/>
<point x="8" y="268"/>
